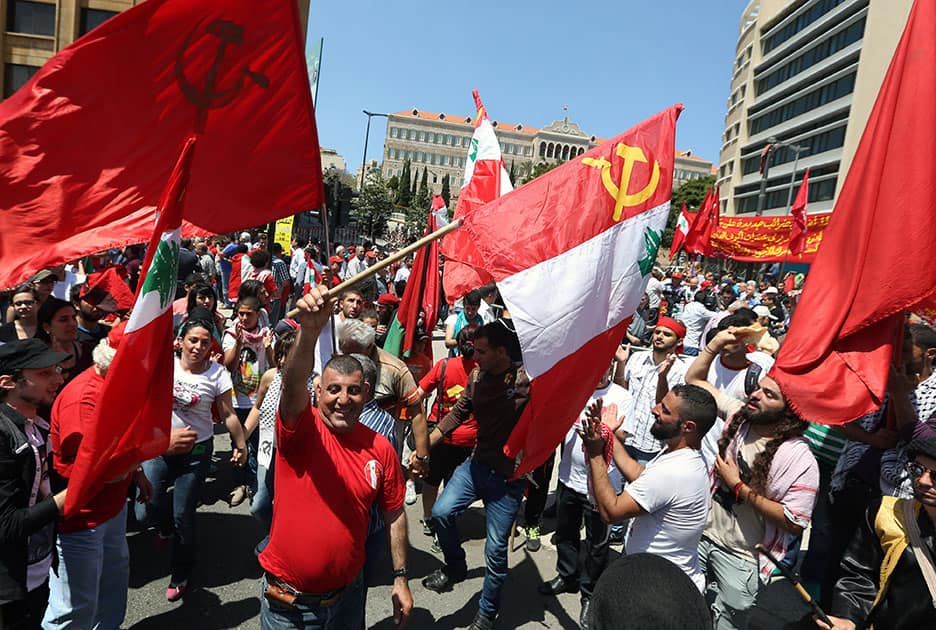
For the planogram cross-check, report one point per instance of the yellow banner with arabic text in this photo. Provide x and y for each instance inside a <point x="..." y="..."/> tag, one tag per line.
<point x="283" y="233"/>
<point x="766" y="238"/>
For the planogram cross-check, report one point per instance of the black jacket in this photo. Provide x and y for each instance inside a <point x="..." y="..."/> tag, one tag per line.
<point x="907" y="603"/>
<point x="17" y="520"/>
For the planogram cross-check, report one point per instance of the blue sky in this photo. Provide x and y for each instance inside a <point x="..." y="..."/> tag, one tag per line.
<point x="613" y="63"/>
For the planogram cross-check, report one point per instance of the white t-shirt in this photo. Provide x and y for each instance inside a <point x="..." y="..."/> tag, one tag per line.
<point x="729" y="382"/>
<point x="694" y="317"/>
<point x="62" y="288"/>
<point x="251" y="364"/>
<point x="402" y="275"/>
<point x="654" y="292"/>
<point x="573" y="469"/>
<point x="193" y="395"/>
<point x="674" y="490"/>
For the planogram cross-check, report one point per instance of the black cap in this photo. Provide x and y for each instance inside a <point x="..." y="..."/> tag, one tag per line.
<point x="922" y="446"/>
<point x="28" y="353"/>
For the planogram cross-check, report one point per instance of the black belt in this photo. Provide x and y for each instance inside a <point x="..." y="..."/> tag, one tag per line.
<point x="313" y="600"/>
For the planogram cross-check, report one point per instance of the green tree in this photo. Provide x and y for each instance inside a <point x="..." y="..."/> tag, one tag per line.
<point x="403" y="196"/>
<point x="446" y="190"/>
<point x="422" y="198"/>
<point x="513" y="172"/>
<point x="372" y="209"/>
<point x="415" y="187"/>
<point x="692" y="193"/>
<point x="539" y="169"/>
<point x="394" y="184"/>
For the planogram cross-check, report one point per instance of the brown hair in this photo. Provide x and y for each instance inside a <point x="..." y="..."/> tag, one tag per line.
<point x="789" y="426"/>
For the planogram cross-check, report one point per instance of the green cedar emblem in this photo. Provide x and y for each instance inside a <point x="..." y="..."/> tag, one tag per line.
<point x="162" y="273"/>
<point x="652" y="239"/>
<point x="473" y="153"/>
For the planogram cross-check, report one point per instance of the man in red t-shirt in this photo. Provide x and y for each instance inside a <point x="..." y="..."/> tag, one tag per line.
<point x="332" y="469"/>
<point x="456" y="447"/>
<point x="89" y="589"/>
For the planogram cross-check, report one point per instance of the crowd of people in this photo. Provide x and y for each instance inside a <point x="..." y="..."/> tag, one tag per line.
<point x="687" y="452"/>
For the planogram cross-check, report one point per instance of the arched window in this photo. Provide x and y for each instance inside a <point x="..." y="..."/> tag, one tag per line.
<point x="542" y="149"/>
<point x="549" y="150"/>
<point x="565" y="152"/>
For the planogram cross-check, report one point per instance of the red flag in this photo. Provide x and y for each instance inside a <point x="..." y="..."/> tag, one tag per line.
<point x="88" y="143"/>
<point x="877" y="258"/>
<point x="699" y="234"/>
<point x="132" y="419"/>
<point x="586" y="232"/>
<point x="486" y="179"/>
<point x="682" y="229"/>
<point x="798" y="234"/>
<point x="421" y="293"/>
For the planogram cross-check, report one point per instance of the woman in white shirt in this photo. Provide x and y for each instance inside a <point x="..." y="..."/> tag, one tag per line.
<point x="199" y="382"/>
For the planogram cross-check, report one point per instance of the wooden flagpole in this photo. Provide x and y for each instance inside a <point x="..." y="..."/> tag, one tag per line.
<point x="403" y="253"/>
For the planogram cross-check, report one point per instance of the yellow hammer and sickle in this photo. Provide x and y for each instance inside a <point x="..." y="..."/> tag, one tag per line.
<point x="619" y="193"/>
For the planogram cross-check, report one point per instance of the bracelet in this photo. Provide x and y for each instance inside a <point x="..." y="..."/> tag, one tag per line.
<point x="422" y="458"/>
<point x="709" y="350"/>
<point x="401" y="572"/>
<point x="737" y="491"/>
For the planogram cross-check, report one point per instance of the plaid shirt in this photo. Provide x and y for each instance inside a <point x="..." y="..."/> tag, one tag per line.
<point x="378" y="421"/>
<point x="280" y="272"/>
<point x="641" y="375"/>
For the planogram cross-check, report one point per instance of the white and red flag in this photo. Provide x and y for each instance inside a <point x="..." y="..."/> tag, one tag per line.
<point x="682" y="229"/>
<point x="132" y="417"/>
<point x="571" y="252"/>
<point x="486" y="179"/>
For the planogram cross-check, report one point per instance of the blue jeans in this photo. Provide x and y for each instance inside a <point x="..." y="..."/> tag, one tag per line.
<point x="341" y="616"/>
<point x="690" y="352"/>
<point x="501" y="497"/>
<point x="261" y="507"/>
<point x="186" y="473"/>
<point x="225" y="282"/>
<point x="375" y="554"/>
<point x="89" y="591"/>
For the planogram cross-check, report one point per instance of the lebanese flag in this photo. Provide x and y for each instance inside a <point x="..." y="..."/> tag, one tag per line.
<point x="877" y="258"/>
<point x="798" y="234"/>
<point x="571" y="252"/>
<point x="132" y="418"/>
<point x="696" y="237"/>
<point x="88" y="143"/>
<point x="682" y="229"/>
<point x="422" y="295"/>
<point x="486" y="179"/>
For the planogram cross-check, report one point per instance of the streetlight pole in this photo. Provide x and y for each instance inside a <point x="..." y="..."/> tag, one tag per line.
<point x="366" y="138"/>
<point x="765" y="167"/>
<point x="797" y="149"/>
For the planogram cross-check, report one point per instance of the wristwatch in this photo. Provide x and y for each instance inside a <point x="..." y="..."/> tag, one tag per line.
<point x="424" y="459"/>
<point x="402" y="572"/>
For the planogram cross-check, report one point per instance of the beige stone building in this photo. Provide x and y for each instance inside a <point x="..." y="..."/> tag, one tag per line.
<point x="806" y="74"/>
<point x="439" y="142"/>
<point x="32" y="31"/>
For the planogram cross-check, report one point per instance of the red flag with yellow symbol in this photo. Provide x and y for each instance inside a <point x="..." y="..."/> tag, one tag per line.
<point x="571" y="252"/>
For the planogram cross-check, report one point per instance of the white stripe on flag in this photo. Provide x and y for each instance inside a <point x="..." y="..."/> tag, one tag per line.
<point x="562" y="303"/>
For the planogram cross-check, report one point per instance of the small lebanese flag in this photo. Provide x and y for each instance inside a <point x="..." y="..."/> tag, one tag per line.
<point x="682" y="228"/>
<point x="439" y="211"/>
<point x="132" y="419"/>
<point x="571" y="253"/>
<point x="485" y="180"/>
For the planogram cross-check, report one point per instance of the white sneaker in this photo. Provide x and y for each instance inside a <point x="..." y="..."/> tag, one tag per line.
<point x="410" y="492"/>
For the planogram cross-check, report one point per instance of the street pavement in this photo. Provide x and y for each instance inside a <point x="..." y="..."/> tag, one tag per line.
<point x="224" y="590"/>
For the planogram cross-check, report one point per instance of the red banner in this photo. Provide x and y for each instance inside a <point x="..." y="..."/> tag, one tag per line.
<point x="766" y="238"/>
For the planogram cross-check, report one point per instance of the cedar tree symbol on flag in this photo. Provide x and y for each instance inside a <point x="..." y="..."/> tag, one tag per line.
<point x="486" y="179"/>
<point x="85" y="153"/>
<point x="421" y="294"/>
<point x="682" y="229"/>
<point x="877" y="258"/>
<point x="132" y="418"/>
<point x="798" y="234"/>
<point x="586" y="232"/>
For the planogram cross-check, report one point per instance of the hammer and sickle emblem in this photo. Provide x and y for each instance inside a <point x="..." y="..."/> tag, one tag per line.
<point x="619" y="193"/>
<point x="209" y="96"/>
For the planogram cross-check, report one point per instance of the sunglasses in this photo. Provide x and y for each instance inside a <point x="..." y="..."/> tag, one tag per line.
<point x="916" y="471"/>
